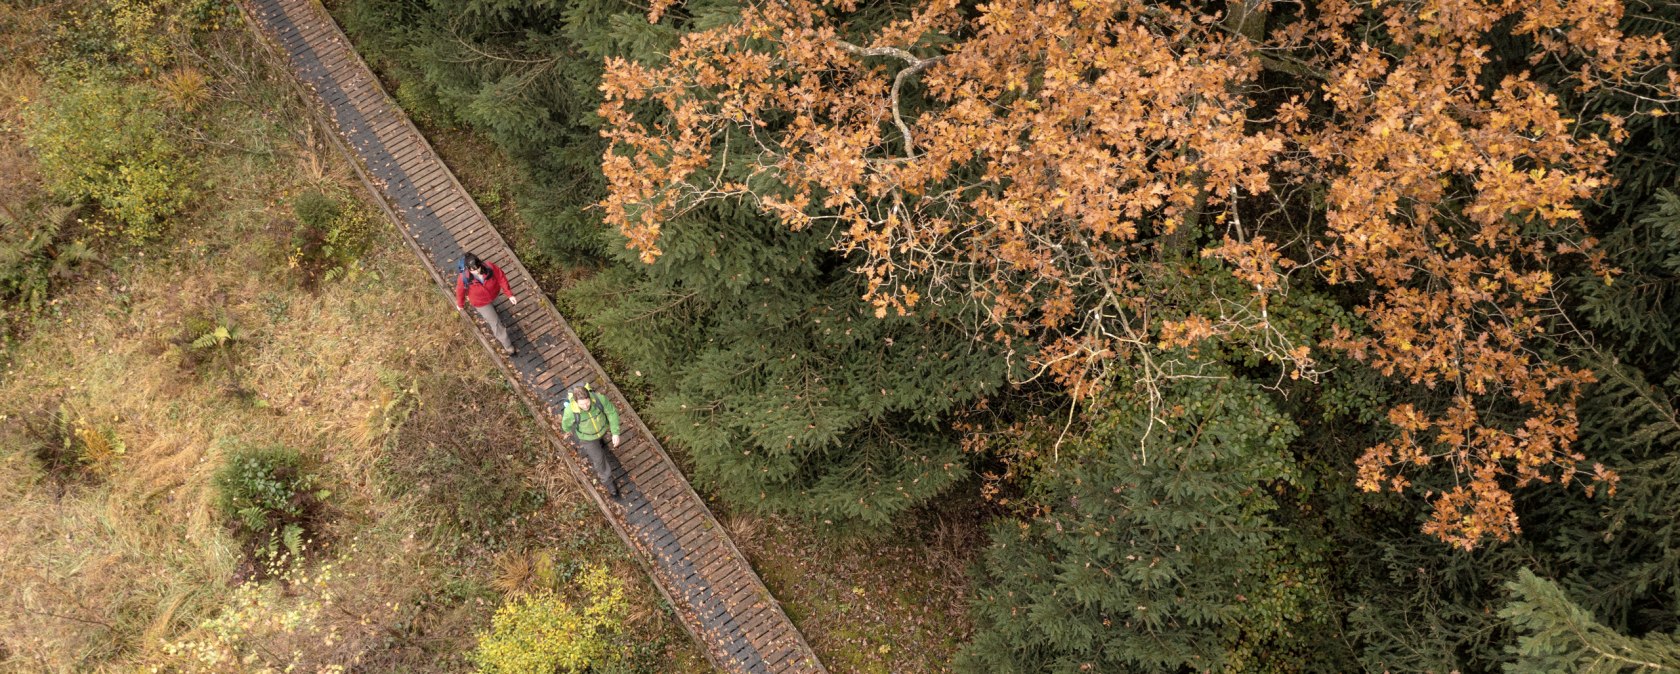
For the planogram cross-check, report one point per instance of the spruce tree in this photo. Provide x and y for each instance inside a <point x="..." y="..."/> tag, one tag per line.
<point x="1155" y="549"/>
<point x="1559" y="636"/>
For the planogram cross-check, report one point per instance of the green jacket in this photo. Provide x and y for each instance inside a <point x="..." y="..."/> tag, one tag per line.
<point x="593" y="424"/>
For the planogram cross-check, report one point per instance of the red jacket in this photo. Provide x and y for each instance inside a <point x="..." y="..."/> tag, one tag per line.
<point x="483" y="292"/>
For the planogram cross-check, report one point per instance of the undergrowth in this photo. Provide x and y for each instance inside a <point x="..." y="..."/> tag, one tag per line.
<point x="544" y="632"/>
<point x="273" y="501"/>
<point x="327" y="238"/>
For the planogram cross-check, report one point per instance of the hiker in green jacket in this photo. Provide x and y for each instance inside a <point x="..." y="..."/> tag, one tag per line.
<point x="588" y="416"/>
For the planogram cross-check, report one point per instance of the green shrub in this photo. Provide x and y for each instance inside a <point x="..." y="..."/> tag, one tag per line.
<point x="316" y="209"/>
<point x="543" y="634"/>
<point x="328" y="237"/>
<point x="271" y="498"/>
<point x="133" y="37"/>
<point x="103" y="141"/>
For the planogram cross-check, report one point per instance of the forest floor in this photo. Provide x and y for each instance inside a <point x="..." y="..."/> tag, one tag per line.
<point x="441" y="486"/>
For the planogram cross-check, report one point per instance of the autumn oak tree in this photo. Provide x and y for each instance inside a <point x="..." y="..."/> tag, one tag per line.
<point x="1049" y="162"/>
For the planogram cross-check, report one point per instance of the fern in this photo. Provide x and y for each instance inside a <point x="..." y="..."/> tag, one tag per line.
<point x="222" y="336"/>
<point x="32" y="255"/>
<point x="292" y="536"/>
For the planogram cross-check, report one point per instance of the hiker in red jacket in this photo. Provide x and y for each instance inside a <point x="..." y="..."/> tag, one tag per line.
<point x="480" y="282"/>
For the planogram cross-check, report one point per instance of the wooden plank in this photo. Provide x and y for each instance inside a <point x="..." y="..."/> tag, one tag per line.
<point x="574" y="372"/>
<point x="459" y="218"/>
<point x="700" y="526"/>
<point x="680" y="519"/>
<point x="404" y="151"/>
<point x="293" y="40"/>
<point x="647" y="473"/>
<point x="402" y="134"/>
<point x="533" y="330"/>
<point x="784" y="658"/>
<point x="724" y="570"/>
<point x="736" y="592"/>
<point x="756" y="621"/>
<point x="697" y="554"/>
<point x="547" y="376"/>
<point x="363" y="97"/>
<point x="758" y="624"/>
<point x="476" y="241"/>
<point x="335" y="66"/>
<point x="552" y="352"/>
<point x="432" y="176"/>
<point x="718" y="568"/>
<point x="751" y="611"/>
<point x="395" y="140"/>
<point x="410" y="154"/>
<point x="429" y="174"/>
<point x="655" y="485"/>
<point x="693" y="533"/>
<point x="639" y="452"/>
<point x="647" y="477"/>
<point x="745" y="650"/>
<point x="382" y="122"/>
<point x="301" y="29"/>
<point x="340" y="67"/>
<point x="334" y="98"/>
<point x="472" y="229"/>
<point x="450" y="202"/>
<point x="461" y="210"/>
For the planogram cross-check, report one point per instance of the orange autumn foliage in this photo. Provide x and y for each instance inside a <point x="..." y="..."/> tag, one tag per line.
<point x="1044" y="159"/>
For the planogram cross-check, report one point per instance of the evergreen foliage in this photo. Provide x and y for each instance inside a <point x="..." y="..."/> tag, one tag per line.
<point x="523" y="74"/>
<point x="1156" y="550"/>
<point x="1560" y="636"/>
<point x="789" y="395"/>
<point x="1640" y="306"/>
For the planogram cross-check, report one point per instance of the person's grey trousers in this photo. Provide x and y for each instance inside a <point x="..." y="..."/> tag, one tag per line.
<point x="488" y="313"/>
<point x="602" y="459"/>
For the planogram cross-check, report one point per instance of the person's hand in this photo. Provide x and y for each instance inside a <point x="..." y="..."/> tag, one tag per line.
<point x="513" y="300"/>
<point x="615" y="439"/>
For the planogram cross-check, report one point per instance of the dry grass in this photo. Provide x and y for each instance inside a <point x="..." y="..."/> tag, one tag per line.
<point x="104" y="575"/>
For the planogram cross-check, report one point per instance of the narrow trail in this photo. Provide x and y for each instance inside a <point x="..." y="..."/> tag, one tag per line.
<point x="716" y="593"/>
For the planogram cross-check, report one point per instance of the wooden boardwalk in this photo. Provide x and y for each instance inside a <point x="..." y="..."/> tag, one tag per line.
<point x="715" y="592"/>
